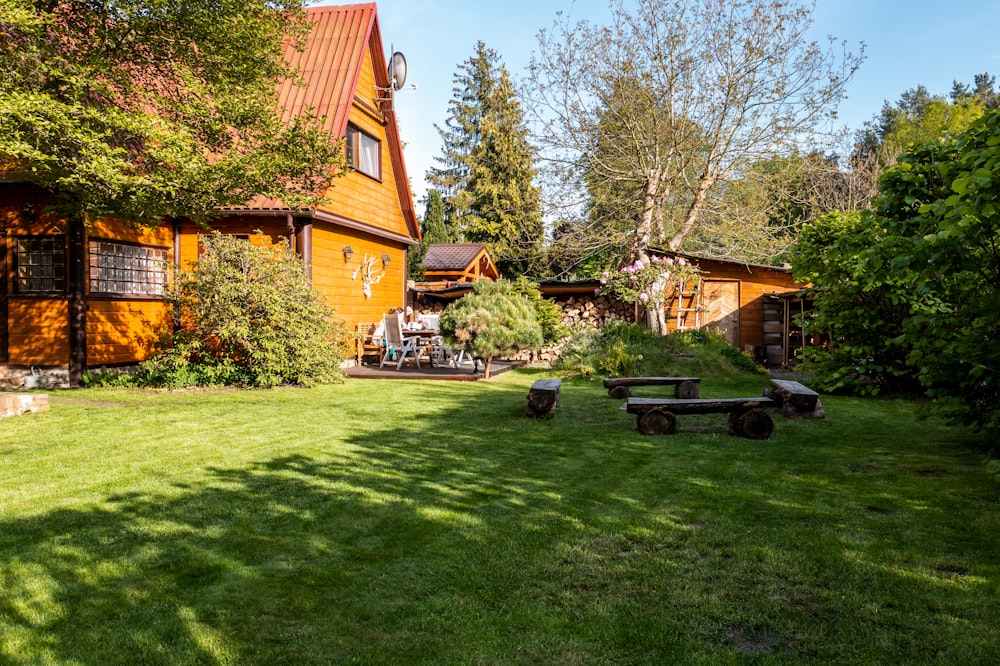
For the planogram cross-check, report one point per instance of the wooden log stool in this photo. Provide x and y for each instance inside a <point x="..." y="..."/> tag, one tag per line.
<point x="543" y="398"/>
<point x="685" y="388"/>
<point x="796" y="401"/>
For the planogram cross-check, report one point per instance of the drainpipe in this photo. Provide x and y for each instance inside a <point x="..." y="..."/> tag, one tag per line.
<point x="303" y="242"/>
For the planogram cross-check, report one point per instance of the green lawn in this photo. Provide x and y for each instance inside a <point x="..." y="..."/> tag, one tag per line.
<point x="418" y="522"/>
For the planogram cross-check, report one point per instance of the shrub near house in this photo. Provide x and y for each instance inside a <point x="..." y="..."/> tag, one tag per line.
<point x="246" y="315"/>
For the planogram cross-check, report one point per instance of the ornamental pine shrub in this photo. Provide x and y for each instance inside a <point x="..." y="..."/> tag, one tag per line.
<point x="246" y="314"/>
<point x="492" y="321"/>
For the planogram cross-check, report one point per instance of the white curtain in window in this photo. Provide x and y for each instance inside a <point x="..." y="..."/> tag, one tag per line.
<point x="368" y="159"/>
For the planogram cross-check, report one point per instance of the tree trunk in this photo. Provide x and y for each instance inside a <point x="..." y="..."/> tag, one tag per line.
<point x="656" y="312"/>
<point x="704" y="184"/>
<point x="644" y="220"/>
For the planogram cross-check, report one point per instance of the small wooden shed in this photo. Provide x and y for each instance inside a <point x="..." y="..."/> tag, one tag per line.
<point x="748" y="303"/>
<point x="459" y="262"/>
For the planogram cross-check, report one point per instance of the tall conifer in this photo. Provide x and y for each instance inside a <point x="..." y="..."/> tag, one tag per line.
<point x="486" y="172"/>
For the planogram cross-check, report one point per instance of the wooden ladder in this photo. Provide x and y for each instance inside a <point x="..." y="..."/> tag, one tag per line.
<point x="688" y="299"/>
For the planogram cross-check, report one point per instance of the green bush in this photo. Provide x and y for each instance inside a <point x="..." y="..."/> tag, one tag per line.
<point x="622" y="349"/>
<point x="246" y="315"/>
<point x="105" y="378"/>
<point x="493" y="320"/>
<point x="547" y="311"/>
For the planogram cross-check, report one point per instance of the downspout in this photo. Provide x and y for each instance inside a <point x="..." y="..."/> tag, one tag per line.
<point x="303" y="242"/>
<point x="176" y="221"/>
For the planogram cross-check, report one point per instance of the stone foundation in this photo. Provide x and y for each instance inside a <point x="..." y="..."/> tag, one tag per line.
<point x="15" y="377"/>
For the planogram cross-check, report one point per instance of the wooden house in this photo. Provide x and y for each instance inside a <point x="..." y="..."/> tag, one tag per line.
<point x="355" y="246"/>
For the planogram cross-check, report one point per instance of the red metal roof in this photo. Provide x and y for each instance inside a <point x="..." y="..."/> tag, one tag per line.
<point x="329" y="63"/>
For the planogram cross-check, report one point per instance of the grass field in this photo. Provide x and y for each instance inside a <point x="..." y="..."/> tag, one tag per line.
<point x="387" y="522"/>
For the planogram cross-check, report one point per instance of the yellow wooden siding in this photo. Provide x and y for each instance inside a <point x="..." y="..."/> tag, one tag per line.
<point x="114" y="230"/>
<point x="274" y="229"/>
<point x="122" y="331"/>
<point x="38" y="331"/>
<point x="332" y="275"/>
<point x="360" y="197"/>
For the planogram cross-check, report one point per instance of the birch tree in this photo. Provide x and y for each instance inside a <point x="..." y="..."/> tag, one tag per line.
<point x="673" y="98"/>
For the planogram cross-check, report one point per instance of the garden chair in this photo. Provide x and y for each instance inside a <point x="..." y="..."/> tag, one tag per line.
<point x="397" y="344"/>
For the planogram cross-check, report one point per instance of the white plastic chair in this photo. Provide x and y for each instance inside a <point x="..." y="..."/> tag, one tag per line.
<point x="396" y="342"/>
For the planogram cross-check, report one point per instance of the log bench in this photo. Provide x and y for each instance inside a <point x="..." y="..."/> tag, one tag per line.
<point x="684" y="387"/>
<point x="543" y="398"/>
<point x="658" y="416"/>
<point x="796" y="401"/>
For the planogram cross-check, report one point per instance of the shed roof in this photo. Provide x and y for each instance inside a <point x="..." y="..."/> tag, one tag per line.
<point x="451" y="256"/>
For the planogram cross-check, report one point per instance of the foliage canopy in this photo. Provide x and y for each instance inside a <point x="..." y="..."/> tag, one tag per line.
<point x="493" y="320"/>
<point x="929" y="256"/>
<point x="487" y="169"/>
<point x="146" y="109"/>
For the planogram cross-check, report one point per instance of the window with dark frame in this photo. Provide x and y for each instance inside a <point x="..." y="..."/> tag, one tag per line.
<point x="129" y="270"/>
<point x="364" y="153"/>
<point x="40" y="265"/>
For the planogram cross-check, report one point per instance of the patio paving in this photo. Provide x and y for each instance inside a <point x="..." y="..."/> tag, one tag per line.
<point x="443" y="373"/>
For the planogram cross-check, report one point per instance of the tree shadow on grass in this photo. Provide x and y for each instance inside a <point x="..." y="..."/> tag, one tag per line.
<point x="465" y="534"/>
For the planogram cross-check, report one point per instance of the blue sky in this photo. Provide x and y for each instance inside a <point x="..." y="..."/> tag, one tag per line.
<point x="908" y="42"/>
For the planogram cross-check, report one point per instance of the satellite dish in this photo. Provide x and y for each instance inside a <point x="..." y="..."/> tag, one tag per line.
<point x="397" y="70"/>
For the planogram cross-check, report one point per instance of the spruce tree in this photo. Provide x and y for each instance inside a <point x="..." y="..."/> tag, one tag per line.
<point x="487" y="167"/>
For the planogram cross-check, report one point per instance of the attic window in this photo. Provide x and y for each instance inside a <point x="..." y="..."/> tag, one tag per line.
<point x="364" y="153"/>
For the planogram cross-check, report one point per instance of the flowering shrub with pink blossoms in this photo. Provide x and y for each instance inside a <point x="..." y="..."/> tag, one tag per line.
<point x="647" y="281"/>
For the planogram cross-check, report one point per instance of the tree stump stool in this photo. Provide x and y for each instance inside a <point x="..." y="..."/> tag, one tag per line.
<point x="543" y="398"/>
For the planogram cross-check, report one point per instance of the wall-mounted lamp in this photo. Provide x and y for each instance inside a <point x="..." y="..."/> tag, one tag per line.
<point x="29" y="210"/>
<point x="386" y="260"/>
<point x="348" y="252"/>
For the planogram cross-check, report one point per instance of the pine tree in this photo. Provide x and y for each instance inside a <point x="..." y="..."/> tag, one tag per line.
<point x="487" y="168"/>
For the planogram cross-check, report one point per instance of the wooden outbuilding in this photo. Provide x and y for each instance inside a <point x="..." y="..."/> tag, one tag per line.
<point x="459" y="262"/>
<point x="355" y="246"/>
<point x="751" y="305"/>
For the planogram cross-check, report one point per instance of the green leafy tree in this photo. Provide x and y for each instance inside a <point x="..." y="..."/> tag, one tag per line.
<point x="247" y="314"/>
<point x="911" y="289"/>
<point x="919" y="117"/>
<point x="432" y="231"/>
<point x="858" y="304"/>
<point x="147" y="110"/>
<point x="492" y="321"/>
<point x="487" y="169"/>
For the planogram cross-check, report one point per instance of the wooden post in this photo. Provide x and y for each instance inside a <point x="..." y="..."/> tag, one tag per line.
<point x="76" y="235"/>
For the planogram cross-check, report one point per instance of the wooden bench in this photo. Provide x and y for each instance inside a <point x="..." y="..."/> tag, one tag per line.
<point x="684" y="387"/>
<point x="658" y="416"/>
<point x="543" y="398"/>
<point x="796" y="401"/>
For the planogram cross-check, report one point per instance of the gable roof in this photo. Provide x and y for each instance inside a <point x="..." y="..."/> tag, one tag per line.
<point x="451" y="256"/>
<point x="459" y="261"/>
<point x="329" y="63"/>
